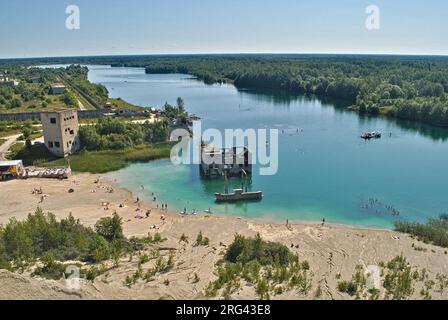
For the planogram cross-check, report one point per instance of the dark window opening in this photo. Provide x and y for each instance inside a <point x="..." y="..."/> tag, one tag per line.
<point x="50" y="144"/>
<point x="57" y="144"/>
<point x="53" y="120"/>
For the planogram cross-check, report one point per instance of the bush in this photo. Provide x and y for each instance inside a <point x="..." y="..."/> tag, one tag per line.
<point x="266" y="265"/>
<point x="40" y="236"/>
<point x="399" y="279"/>
<point x="201" y="240"/>
<point x="110" y="227"/>
<point x="348" y="287"/>
<point x="99" y="249"/>
<point x="244" y="250"/>
<point x="434" y="231"/>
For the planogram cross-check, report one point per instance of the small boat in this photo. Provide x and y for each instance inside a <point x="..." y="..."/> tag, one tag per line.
<point x="238" y="195"/>
<point x="371" y="135"/>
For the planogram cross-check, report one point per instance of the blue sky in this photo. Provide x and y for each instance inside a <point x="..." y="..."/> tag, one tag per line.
<point x="37" y="28"/>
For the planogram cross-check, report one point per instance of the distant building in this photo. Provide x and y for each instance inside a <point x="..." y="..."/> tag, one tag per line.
<point x="57" y="88"/>
<point x="61" y="132"/>
<point x="233" y="161"/>
<point x="8" y="83"/>
<point x="35" y="79"/>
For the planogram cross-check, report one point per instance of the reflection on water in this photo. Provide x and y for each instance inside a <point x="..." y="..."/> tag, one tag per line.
<point x="286" y="99"/>
<point x="325" y="169"/>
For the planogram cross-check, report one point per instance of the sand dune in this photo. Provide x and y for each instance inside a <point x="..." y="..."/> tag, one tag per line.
<point x="332" y="251"/>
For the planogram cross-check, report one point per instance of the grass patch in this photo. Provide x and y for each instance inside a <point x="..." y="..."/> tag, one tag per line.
<point x="2" y="141"/>
<point x="8" y="132"/>
<point x="112" y="160"/>
<point x="122" y="104"/>
<point x="33" y="155"/>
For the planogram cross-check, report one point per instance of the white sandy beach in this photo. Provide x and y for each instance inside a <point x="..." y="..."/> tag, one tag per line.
<point x="332" y="251"/>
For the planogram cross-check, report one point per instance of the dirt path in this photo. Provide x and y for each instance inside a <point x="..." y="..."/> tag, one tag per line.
<point x="5" y="146"/>
<point x="81" y="105"/>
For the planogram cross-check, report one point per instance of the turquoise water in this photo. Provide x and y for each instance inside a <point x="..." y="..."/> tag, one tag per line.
<point x="324" y="171"/>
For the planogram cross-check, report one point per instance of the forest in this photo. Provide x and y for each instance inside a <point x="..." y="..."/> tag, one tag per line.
<point x="402" y="87"/>
<point x="410" y="89"/>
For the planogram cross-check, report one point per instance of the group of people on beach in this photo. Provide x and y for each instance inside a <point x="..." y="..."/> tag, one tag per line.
<point x="38" y="191"/>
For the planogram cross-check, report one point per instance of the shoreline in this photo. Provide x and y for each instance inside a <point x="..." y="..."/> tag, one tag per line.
<point x="261" y="220"/>
<point x="333" y="251"/>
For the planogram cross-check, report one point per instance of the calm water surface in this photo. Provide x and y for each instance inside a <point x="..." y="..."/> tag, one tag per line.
<point x="324" y="171"/>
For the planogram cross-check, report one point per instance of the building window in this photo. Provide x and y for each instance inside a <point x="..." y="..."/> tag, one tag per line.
<point x="72" y="132"/>
<point x="50" y="144"/>
<point x="53" y="120"/>
<point x="56" y="144"/>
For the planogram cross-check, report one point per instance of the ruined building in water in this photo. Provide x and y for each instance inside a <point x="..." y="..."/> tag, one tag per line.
<point x="216" y="161"/>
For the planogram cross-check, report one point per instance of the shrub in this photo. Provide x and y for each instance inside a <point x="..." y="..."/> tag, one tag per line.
<point x="434" y="231"/>
<point x="110" y="227"/>
<point x="201" y="240"/>
<point x="348" y="287"/>
<point x="99" y="249"/>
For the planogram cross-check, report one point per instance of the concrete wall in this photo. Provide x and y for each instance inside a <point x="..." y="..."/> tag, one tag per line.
<point x="82" y="114"/>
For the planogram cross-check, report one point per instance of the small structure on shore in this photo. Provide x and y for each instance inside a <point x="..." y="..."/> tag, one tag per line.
<point x="61" y="132"/>
<point x="216" y="161"/>
<point x="11" y="169"/>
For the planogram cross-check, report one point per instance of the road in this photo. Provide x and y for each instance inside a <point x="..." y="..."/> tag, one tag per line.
<point x="81" y="105"/>
<point x="5" y="146"/>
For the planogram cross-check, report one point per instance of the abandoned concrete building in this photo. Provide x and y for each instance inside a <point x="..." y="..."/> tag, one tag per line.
<point x="57" y="88"/>
<point x="61" y="132"/>
<point x="216" y="161"/>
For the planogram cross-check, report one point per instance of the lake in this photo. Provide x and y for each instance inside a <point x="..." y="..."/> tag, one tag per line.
<point x="325" y="170"/>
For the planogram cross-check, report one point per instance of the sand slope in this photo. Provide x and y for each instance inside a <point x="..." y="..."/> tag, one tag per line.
<point x="332" y="251"/>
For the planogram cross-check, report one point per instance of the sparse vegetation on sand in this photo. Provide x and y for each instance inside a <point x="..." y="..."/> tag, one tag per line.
<point x="434" y="231"/>
<point x="398" y="281"/>
<point x="270" y="267"/>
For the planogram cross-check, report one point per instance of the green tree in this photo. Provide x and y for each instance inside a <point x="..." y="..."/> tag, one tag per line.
<point x="110" y="227"/>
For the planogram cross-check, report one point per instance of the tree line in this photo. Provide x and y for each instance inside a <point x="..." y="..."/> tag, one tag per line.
<point x="403" y="87"/>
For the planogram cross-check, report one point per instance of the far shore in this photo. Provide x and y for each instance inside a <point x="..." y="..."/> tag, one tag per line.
<point x="333" y="251"/>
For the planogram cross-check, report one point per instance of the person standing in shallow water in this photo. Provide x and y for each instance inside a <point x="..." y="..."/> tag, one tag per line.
<point x="323" y="222"/>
